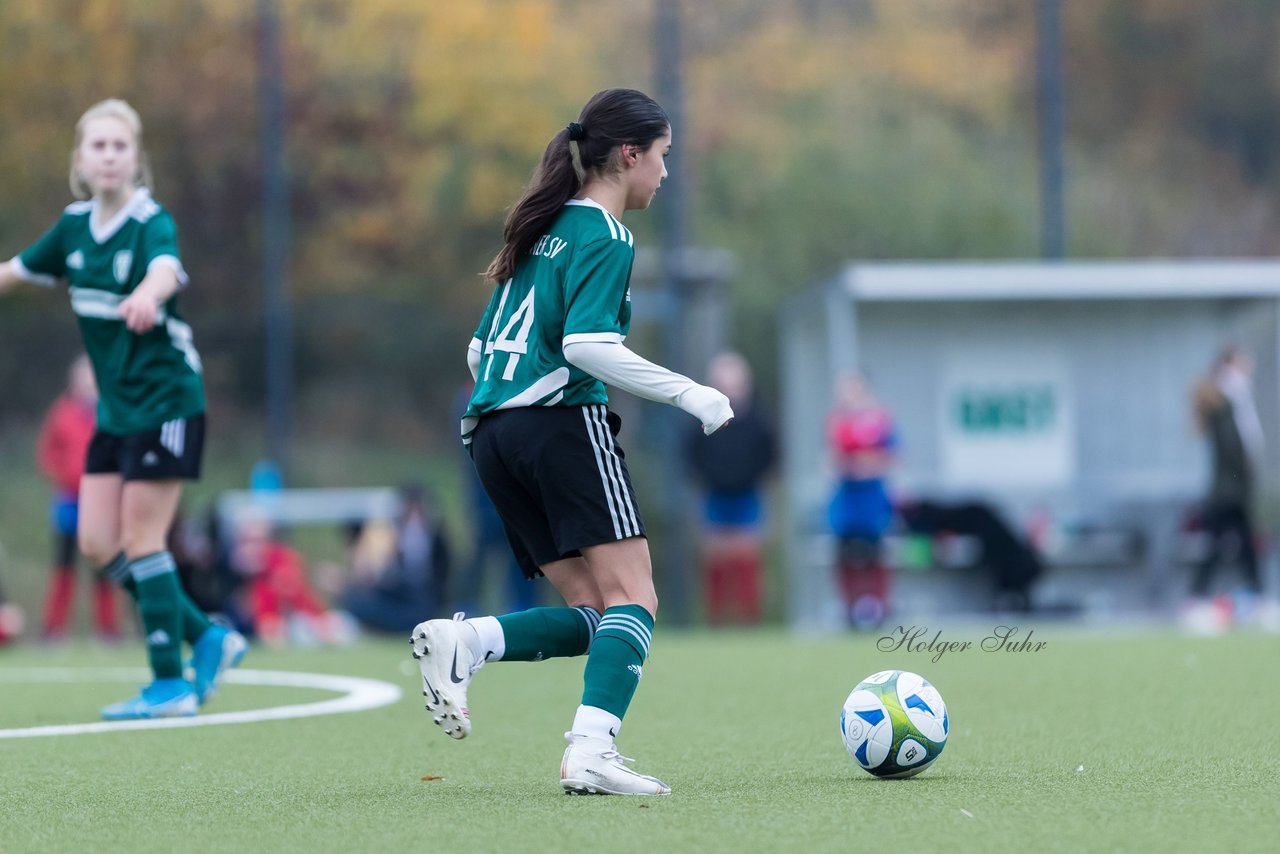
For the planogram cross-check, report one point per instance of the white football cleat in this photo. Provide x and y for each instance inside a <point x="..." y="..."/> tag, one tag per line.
<point x="592" y="766"/>
<point x="447" y="661"/>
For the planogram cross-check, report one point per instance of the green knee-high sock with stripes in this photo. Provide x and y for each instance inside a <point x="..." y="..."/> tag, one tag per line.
<point x="617" y="655"/>
<point x="194" y="621"/>
<point x="540" y="633"/>
<point x="158" y="590"/>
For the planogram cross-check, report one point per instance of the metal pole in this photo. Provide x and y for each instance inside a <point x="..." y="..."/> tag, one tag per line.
<point x="1051" y="110"/>
<point x="678" y="557"/>
<point x="278" y="326"/>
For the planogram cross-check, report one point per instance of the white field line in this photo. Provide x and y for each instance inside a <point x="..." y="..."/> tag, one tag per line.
<point x="359" y="694"/>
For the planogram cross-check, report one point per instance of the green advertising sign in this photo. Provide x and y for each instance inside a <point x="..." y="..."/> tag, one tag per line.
<point x="1021" y="409"/>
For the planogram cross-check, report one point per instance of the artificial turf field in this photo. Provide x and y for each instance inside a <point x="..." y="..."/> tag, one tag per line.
<point x="1138" y="741"/>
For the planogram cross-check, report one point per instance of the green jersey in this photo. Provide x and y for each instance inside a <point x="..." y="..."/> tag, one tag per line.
<point x="143" y="380"/>
<point x="573" y="286"/>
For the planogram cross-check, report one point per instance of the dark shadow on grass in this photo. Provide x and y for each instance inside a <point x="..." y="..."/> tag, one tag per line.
<point x="926" y="778"/>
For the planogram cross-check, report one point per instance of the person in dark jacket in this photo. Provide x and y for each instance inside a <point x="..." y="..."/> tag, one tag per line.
<point x="1010" y="559"/>
<point x="1224" y="412"/>
<point x="730" y="468"/>
<point x="412" y="582"/>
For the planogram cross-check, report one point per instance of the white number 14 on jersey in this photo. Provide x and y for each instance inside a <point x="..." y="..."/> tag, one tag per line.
<point x="514" y="337"/>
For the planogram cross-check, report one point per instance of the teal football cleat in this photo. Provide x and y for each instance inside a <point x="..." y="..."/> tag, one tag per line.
<point x="218" y="649"/>
<point x="163" y="698"/>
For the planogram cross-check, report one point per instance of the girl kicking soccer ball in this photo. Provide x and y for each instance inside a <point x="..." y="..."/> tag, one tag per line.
<point x="545" y="443"/>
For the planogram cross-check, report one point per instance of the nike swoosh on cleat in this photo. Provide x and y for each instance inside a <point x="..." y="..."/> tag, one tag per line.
<point x="453" y="674"/>
<point x="435" y="698"/>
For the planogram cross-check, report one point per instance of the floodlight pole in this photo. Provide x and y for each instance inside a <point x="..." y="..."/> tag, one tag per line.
<point x="678" y="556"/>
<point x="1050" y="108"/>
<point x="278" y="325"/>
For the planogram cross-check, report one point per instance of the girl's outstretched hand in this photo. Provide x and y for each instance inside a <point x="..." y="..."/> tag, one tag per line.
<point x="140" y="312"/>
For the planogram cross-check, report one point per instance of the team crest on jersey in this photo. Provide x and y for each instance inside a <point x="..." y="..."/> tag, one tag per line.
<point x="75" y="261"/>
<point x="121" y="265"/>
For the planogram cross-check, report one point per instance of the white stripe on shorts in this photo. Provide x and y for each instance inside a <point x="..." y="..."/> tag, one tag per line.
<point x="604" y="475"/>
<point x="173" y="435"/>
<point x="630" y="518"/>
<point x="626" y="523"/>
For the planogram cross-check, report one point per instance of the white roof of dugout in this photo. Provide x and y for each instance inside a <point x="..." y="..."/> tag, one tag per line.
<point x="969" y="281"/>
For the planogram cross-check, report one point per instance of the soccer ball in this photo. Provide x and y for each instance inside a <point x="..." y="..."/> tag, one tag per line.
<point x="894" y="724"/>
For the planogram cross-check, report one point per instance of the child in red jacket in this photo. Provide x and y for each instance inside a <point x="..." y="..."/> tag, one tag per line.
<point x="279" y="600"/>
<point x="862" y="440"/>
<point x="60" y="451"/>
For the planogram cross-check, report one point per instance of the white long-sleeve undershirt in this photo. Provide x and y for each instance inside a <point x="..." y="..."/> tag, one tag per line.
<point x="617" y="366"/>
<point x="620" y="367"/>
<point x="474" y="352"/>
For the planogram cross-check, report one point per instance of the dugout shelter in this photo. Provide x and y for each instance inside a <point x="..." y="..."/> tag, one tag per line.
<point x="1057" y="388"/>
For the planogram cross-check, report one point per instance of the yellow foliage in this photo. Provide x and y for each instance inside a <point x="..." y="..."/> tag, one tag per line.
<point x="409" y="118"/>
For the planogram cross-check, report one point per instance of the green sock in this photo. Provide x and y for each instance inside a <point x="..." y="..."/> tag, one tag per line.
<point x="158" y="591"/>
<point x="617" y="656"/>
<point x="194" y="621"/>
<point x="117" y="570"/>
<point x="547" y="633"/>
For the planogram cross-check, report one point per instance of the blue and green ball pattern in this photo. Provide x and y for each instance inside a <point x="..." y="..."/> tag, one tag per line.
<point x="894" y="724"/>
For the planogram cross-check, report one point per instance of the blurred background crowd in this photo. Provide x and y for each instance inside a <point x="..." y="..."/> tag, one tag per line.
<point x="339" y="173"/>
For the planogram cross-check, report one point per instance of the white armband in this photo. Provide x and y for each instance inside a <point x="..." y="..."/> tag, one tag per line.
<point x="172" y="262"/>
<point x="20" y="270"/>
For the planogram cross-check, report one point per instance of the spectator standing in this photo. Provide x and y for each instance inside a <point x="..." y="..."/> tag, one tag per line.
<point x="862" y="439"/>
<point x="730" y="467"/>
<point x="1224" y="413"/>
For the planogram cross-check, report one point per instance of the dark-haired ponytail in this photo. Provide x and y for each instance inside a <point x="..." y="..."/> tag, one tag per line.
<point x="554" y="183"/>
<point x="611" y="118"/>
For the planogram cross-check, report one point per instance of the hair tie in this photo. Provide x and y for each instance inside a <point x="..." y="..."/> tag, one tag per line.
<point x="576" y="131"/>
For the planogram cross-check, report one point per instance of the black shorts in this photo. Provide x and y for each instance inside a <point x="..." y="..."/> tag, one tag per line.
<point x="170" y="452"/>
<point x="558" y="480"/>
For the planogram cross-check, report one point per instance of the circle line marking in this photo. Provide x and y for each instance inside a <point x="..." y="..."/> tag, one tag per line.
<point x="359" y="694"/>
